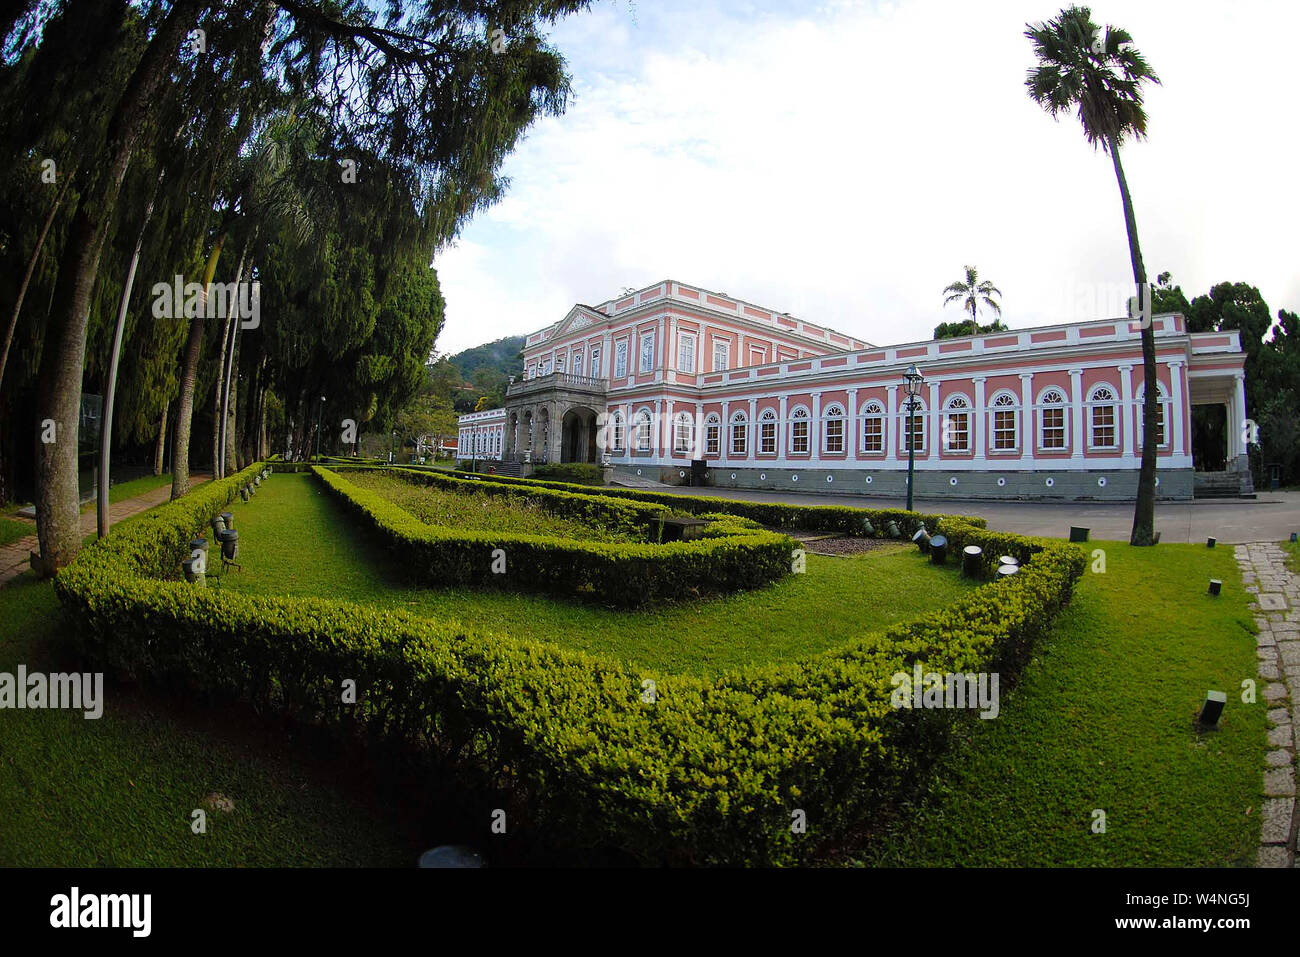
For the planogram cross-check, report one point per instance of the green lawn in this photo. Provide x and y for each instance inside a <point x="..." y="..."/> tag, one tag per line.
<point x="130" y="489"/>
<point x="478" y="511"/>
<point x="119" y="790"/>
<point x="295" y="539"/>
<point x="1293" y="558"/>
<point x="12" y="529"/>
<point x="1103" y="719"/>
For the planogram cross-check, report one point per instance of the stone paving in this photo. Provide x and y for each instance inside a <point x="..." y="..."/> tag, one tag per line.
<point x="1277" y="613"/>
<point x="15" y="557"/>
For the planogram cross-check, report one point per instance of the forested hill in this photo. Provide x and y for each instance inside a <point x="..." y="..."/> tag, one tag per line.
<point x="500" y="356"/>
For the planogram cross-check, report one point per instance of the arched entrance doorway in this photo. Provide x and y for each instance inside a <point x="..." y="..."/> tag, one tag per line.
<point x="578" y="438"/>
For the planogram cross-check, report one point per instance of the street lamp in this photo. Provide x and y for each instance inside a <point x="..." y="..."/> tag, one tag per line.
<point x="320" y="450"/>
<point x="392" y="450"/>
<point x="913" y="380"/>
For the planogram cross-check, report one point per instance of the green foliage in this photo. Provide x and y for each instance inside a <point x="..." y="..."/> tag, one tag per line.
<point x="582" y="473"/>
<point x="700" y="772"/>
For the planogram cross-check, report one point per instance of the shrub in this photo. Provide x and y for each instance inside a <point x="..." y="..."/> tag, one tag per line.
<point x="581" y="473"/>
<point x="709" y="771"/>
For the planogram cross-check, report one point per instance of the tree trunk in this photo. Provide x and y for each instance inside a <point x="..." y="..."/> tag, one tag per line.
<point x="189" y="373"/>
<point x="58" y="398"/>
<point x="161" y="446"/>
<point x="27" y="276"/>
<point x="106" y="425"/>
<point x="219" y="397"/>
<point x="1144" y="513"/>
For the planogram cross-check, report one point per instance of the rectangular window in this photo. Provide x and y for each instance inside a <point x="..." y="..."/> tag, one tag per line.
<point x="1103" y="426"/>
<point x="767" y="436"/>
<point x="712" y="439"/>
<point x="757" y="356"/>
<point x="914" y="437"/>
<point x="647" y="353"/>
<point x="643" y="434"/>
<point x="799" y="436"/>
<point x="559" y="364"/>
<point x="685" y="352"/>
<point x="579" y="365"/>
<point x="835" y="435"/>
<point x="620" y="359"/>
<point x="1160" y="423"/>
<point x="1053" y="427"/>
<point x="618" y="433"/>
<point x="958" y="432"/>
<point x="595" y="362"/>
<point x="550" y="367"/>
<point x="1004" y="429"/>
<point x="872" y="437"/>
<point x="738" y="438"/>
<point x="682" y="435"/>
<point x="721" y="356"/>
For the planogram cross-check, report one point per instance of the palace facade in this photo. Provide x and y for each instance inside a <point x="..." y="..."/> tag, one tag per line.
<point x="674" y="383"/>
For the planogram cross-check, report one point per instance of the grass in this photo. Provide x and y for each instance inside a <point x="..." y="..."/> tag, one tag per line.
<point x="12" y="529"/>
<point x="120" y="790"/>
<point x="478" y="511"/>
<point x="130" y="489"/>
<point x="295" y="539"/>
<point x="1293" y="556"/>
<point x="1103" y="720"/>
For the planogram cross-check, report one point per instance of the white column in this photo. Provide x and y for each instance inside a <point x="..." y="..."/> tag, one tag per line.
<point x="1174" y="417"/>
<point x="629" y="443"/>
<point x="751" y="436"/>
<point x="1131" y="415"/>
<point x="724" y="435"/>
<point x="891" y="412"/>
<point x="1238" y="410"/>
<point x="672" y="346"/>
<point x="1076" y="414"/>
<point x="782" y="430"/>
<point x="934" y="441"/>
<point x="606" y="360"/>
<point x="670" y="428"/>
<point x="698" y="430"/>
<point x="659" y="375"/>
<point x="657" y="431"/>
<point x="1027" y="437"/>
<point x="853" y="426"/>
<point x="815" y="440"/>
<point x="978" y="415"/>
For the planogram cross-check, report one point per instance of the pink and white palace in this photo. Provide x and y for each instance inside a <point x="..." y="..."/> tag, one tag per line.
<point x="672" y="383"/>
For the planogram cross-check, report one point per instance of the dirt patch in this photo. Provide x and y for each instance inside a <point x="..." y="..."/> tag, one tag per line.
<point x="848" y="545"/>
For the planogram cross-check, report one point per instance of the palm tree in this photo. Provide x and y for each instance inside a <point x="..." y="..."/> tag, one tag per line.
<point x="1099" y="74"/>
<point x="972" y="294"/>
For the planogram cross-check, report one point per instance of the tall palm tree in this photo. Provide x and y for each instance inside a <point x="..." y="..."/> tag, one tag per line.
<point x="972" y="294"/>
<point x="1099" y="74"/>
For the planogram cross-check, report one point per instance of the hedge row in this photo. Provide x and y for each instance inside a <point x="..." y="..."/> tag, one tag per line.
<point x="706" y="772"/>
<point x="844" y="519"/>
<point x="624" y="575"/>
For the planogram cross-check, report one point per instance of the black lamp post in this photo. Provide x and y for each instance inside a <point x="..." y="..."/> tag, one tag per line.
<point x="320" y="450"/>
<point x="913" y="381"/>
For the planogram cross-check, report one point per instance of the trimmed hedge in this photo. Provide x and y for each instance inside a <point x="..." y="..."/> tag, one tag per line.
<point x="620" y="574"/>
<point x="709" y="772"/>
<point x="578" y="473"/>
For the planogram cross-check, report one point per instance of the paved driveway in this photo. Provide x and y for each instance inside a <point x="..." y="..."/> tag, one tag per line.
<point x="1270" y="518"/>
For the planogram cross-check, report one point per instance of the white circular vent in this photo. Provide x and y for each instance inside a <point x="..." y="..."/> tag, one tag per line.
<point x="1101" y="482"/>
<point x="1050" y="482"/>
<point x="1001" y="482"/>
<point x="953" y="480"/>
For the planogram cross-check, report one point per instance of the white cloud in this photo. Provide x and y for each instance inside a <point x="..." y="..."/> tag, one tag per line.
<point x="844" y="164"/>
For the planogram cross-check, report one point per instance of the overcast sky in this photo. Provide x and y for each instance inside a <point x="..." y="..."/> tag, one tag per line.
<point x="843" y="161"/>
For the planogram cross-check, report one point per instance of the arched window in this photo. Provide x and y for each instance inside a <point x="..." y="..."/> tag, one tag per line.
<point x="833" y="430"/>
<point x="956" y="425"/>
<point x="1006" y="437"/>
<point x="799" y="431"/>
<point x="682" y="433"/>
<point x="739" y="433"/>
<point x="873" y="427"/>
<point x="1052" y="430"/>
<point x="914" y="438"/>
<point x="767" y="432"/>
<point x="712" y="435"/>
<point x="643" y="431"/>
<point x="1102" y="432"/>
<point x="1162" y="415"/>
<point x="619" y="429"/>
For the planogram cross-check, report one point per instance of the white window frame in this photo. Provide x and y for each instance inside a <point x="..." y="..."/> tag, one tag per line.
<point x="739" y="428"/>
<point x="873" y="412"/>
<point x="721" y="348"/>
<point x="1095" y="405"/>
<point x="619" y="429"/>
<point x="685" y="339"/>
<point x="1043" y="406"/>
<point x="799" y="416"/>
<point x="957" y="405"/>
<point x="620" y="358"/>
<point x="833" y="414"/>
<point x="595" y="362"/>
<point x="682" y="440"/>
<point x="766" y="420"/>
<point x="644" y="431"/>
<point x="922" y="430"/>
<point x="1012" y="406"/>
<point x="761" y="356"/>
<point x="1163" y="407"/>
<point x="646" y="357"/>
<point x="713" y="434"/>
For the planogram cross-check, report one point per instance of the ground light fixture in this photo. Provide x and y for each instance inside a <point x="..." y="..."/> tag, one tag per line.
<point x="1006" y="571"/>
<point x="243" y="494"/>
<point x="1215" y="586"/>
<point x="229" y="549"/>
<point x="972" y="559"/>
<point x="1210" y="542"/>
<point x="1008" y="560"/>
<point x="893" y="531"/>
<point x="912" y="382"/>
<point x="1078" y="534"/>
<point x="194" y="571"/>
<point x="1212" y="709"/>
<point x="1293" y="536"/>
<point x="922" y="539"/>
<point x="938" y="549"/>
